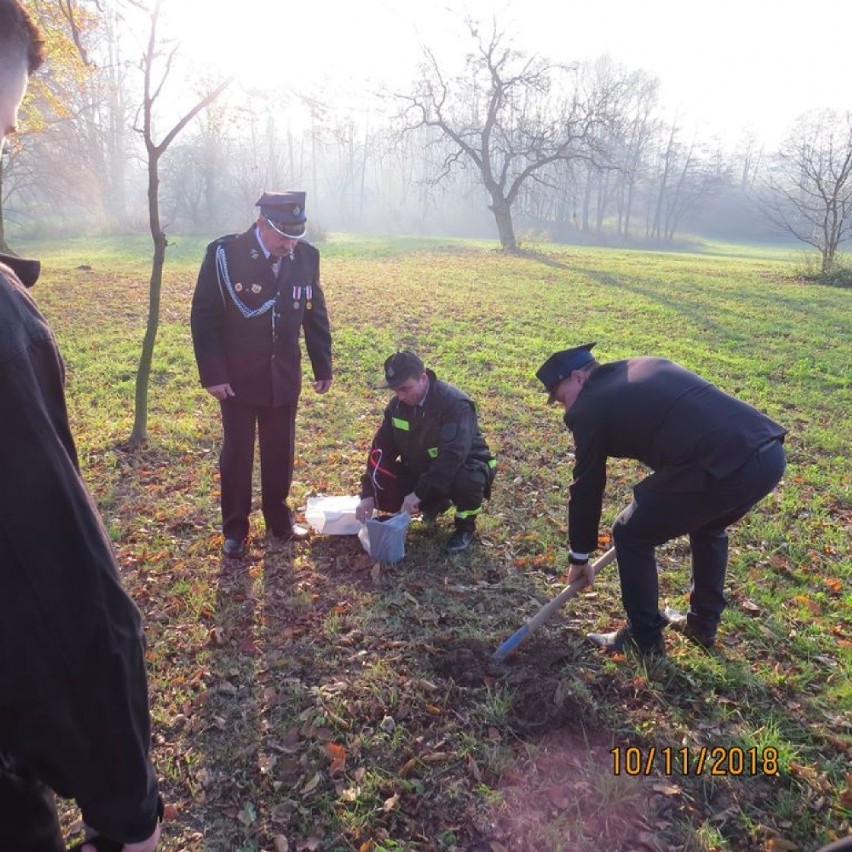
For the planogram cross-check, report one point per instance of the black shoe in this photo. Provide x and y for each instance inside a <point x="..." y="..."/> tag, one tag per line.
<point x="234" y="548"/>
<point x="623" y="639"/>
<point x="704" y="638"/>
<point x="699" y="637"/>
<point x="430" y="514"/>
<point x="460" y="540"/>
<point x="296" y="533"/>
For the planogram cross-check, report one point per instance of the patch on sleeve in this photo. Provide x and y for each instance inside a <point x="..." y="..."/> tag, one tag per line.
<point x="449" y="431"/>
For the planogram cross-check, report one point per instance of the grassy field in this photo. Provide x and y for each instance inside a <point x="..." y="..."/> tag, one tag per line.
<point x="301" y="698"/>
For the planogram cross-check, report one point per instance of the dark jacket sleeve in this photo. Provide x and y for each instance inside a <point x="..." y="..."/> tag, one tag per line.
<point x="318" y="332"/>
<point x="73" y="692"/>
<point x="207" y="320"/>
<point x="586" y="491"/>
<point x="458" y="429"/>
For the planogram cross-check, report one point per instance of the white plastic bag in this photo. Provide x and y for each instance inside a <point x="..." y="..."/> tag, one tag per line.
<point x="333" y="515"/>
<point x="384" y="539"/>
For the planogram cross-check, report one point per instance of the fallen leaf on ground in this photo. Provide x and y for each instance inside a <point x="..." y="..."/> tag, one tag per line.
<point x="407" y="767"/>
<point x="311" y="785"/>
<point x="779" y="844"/>
<point x="338" y="757"/>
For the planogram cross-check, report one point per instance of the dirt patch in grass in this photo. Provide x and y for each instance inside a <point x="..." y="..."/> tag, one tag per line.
<point x="541" y="700"/>
<point x="468" y="662"/>
<point x="550" y="800"/>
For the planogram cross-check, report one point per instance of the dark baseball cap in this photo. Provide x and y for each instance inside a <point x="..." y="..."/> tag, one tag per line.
<point x="400" y="367"/>
<point x="560" y="365"/>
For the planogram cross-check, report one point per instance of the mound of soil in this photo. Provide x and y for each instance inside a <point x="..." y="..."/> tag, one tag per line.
<point x="468" y="662"/>
<point x="542" y="700"/>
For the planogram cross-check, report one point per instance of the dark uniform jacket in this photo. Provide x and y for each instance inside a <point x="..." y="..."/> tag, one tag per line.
<point x="73" y="692"/>
<point x="433" y="440"/>
<point x="246" y="324"/>
<point x="673" y="421"/>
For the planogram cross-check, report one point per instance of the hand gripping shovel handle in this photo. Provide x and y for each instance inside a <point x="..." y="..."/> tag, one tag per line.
<point x="549" y="608"/>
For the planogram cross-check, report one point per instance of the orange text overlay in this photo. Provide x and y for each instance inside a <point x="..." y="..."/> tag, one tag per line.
<point x="694" y="760"/>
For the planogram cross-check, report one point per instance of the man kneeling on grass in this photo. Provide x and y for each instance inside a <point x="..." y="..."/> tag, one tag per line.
<point x="713" y="458"/>
<point x="428" y="454"/>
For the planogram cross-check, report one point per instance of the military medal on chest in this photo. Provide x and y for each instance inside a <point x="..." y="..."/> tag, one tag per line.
<point x="297" y="295"/>
<point x="309" y="292"/>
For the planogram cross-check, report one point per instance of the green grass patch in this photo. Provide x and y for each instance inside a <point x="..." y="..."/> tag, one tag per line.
<point x="295" y="694"/>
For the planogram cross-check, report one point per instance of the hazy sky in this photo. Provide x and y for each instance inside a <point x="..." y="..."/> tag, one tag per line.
<point x="725" y="66"/>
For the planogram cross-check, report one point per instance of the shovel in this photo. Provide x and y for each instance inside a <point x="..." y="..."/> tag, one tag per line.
<point x="549" y="608"/>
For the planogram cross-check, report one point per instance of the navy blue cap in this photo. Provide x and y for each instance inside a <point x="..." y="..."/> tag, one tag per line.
<point x="284" y="208"/>
<point x="560" y="365"/>
<point x="400" y="367"/>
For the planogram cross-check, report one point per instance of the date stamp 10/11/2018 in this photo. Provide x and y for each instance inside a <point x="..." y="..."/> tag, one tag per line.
<point x="716" y="761"/>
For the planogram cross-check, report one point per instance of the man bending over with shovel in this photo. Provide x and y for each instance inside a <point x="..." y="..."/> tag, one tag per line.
<point x="713" y="458"/>
<point x="428" y="454"/>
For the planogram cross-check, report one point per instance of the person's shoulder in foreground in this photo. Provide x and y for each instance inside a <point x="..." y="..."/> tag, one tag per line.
<point x="72" y="687"/>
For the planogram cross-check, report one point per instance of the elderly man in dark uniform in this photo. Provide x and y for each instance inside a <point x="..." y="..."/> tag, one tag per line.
<point x="428" y="453"/>
<point x="73" y="693"/>
<point x="255" y="294"/>
<point x="713" y="458"/>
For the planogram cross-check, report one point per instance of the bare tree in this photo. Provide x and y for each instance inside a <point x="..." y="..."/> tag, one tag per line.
<point x="636" y="135"/>
<point x="750" y="155"/>
<point x="508" y="115"/>
<point x="810" y="184"/>
<point x="668" y="160"/>
<point x="154" y="81"/>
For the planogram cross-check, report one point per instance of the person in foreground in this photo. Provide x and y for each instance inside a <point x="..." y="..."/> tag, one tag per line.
<point x="713" y="458"/>
<point x="428" y="454"/>
<point x="255" y="294"/>
<point x="74" y="713"/>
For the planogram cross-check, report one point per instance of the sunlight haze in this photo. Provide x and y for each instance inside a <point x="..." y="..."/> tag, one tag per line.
<point x="726" y="69"/>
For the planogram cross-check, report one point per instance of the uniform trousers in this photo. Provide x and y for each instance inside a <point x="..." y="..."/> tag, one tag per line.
<point x="276" y="431"/>
<point x="471" y="484"/>
<point x="655" y="517"/>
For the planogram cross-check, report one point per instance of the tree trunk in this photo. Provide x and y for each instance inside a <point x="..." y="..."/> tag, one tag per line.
<point x="600" y="212"/>
<point x="363" y="189"/>
<point x="139" y="434"/>
<point x="628" y="208"/>
<point x="502" y="211"/>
